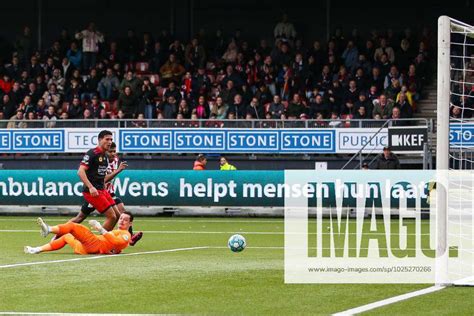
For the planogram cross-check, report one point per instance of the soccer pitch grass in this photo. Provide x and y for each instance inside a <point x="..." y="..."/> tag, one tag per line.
<point x="210" y="280"/>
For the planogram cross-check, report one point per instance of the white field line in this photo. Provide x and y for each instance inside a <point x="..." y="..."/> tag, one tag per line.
<point x="207" y="232"/>
<point x="388" y="301"/>
<point x="177" y="220"/>
<point x="82" y="258"/>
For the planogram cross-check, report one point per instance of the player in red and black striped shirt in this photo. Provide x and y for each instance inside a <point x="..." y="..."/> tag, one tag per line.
<point x="114" y="168"/>
<point x="92" y="172"/>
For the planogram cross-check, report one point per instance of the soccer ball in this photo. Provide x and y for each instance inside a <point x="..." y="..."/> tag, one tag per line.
<point x="236" y="243"/>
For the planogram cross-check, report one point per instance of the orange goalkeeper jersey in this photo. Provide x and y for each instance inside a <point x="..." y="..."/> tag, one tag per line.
<point x="114" y="241"/>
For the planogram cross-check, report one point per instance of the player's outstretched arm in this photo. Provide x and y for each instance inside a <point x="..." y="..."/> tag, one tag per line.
<point x="123" y="165"/>
<point x="97" y="226"/>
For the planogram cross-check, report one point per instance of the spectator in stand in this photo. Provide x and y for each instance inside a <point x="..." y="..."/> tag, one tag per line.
<point x="74" y="109"/>
<point x="363" y="63"/>
<point x="396" y="118"/>
<point x="360" y="114"/>
<point x="52" y="96"/>
<point x="221" y="108"/>
<point x="57" y="80"/>
<point x="147" y="102"/>
<point x="73" y="90"/>
<point x="392" y="91"/>
<point x="335" y="120"/>
<point x="229" y="92"/>
<point x="113" y="55"/>
<point x="276" y="108"/>
<point x="350" y="55"/>
<point x="404" y="56"/>
<point x="24" y="44"/>
<point x="157" y="57"/>
<point x="364" y="102"/>
<point x="90" y="45"/>
<point x="195" y="55"/>
<point x="128" y="103"/>
<point x="17" y="120"/>
<point x="200" y="83"/>
<point x="74" y="55"/>
<point x="146" y="46"/>
<point x="7" y="107"/>
<point x="387" y="160"/>
<point x="296" y="107"/>
<point x="91" y="85"/>
<point x="40" y="108"/>
<point x="414" y="82"/>
<point x="376" y="79"/>
<point x="383" y="107"/>
<point x="238" y="107"/>
<point x="254" y="110"/>
<point x="27" y="106"/>
<point x="131" y="81"/>
<point x="384" y="49"/>
<point x="172" y="91"/>
<point x="171" y="70"/>
<point x="33" y="92"/>
<point x="183" y="109"/>
<point x="351" y="95"/>
<point x="284" y="30"/>
<point x="202" y="109"/>
<point x="34" y="69"/>
<point x="392" y="76"/>
<point x="14" y="69"/>
<point x="263" y="94"/>
<point x="66" y="68"/>
<point x="95" y="107"/>
<point x="404" y="106"/>
<point x="16" y="93"/>
<point x="6" y="84"/>
<point x="169" y="108"/>
<point x="56" y="53"/>
<point x="360" y="79"/>
<point x="319" y="106"/>
<point x="51" y="117"/>
<point x="231" y="75"/>
<point x="177" y="49"/>
<point x="87" y="115"/>
<point x="108" y="85"/>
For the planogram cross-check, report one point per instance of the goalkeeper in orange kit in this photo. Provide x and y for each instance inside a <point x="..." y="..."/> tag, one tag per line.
<point x="83" y="241"/>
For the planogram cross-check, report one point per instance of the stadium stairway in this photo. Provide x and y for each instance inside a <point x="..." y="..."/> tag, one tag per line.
<point x="427" y="109"/>
<point x="427" y="106"/>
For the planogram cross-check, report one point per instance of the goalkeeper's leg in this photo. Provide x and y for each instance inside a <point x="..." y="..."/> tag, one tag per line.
<point x="67" y="239"/>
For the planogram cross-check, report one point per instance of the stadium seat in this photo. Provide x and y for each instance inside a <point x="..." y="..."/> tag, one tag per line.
<point x="142" y="67"/>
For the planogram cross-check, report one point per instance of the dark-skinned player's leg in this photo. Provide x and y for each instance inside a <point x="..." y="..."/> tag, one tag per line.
<point x="86" y="210"/>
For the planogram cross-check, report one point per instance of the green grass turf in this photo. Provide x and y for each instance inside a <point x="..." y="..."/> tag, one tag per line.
<point x="203" y="281"/>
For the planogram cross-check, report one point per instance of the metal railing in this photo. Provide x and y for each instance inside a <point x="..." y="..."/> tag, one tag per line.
<point x="211" y="123"/>
<point x="390" y="123"/>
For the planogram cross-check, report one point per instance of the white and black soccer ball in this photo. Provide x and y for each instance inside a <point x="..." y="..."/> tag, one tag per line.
<point x="236" y="243"/>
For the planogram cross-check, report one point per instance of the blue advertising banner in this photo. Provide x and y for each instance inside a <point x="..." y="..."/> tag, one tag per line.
<point x="210" y="140"/>
<point x="461" y="135"/>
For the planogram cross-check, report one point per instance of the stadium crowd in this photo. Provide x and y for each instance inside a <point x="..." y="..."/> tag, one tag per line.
<point x="89" y="75"/>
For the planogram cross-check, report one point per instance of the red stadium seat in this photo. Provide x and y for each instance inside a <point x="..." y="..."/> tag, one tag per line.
<point x="142" y="67"/>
